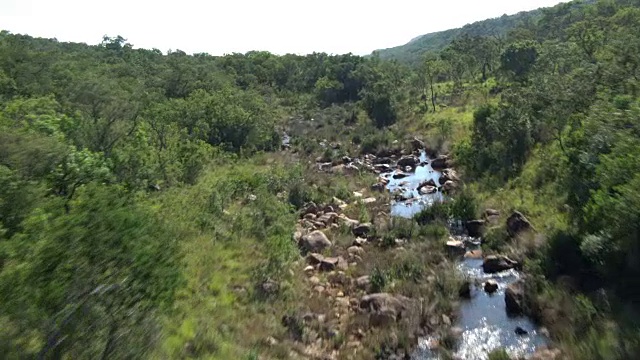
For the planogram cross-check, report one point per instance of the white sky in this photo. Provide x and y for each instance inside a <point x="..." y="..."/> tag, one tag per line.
<point x="279" y="26"/>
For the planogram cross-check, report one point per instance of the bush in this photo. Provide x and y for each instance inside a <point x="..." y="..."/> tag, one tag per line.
<point x="439" y="211"/>
<point x="499" y="354"/>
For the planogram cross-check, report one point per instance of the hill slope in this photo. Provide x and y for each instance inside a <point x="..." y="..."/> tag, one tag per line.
<point x="412" y="51"/>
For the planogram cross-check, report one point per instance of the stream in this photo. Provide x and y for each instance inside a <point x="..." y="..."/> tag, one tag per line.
<point x="483" y="318"/>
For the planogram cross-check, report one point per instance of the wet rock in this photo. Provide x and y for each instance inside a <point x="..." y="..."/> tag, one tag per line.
<point x="514" y="297"/>
<point x="333" y="263"/>
<point x="429" y="182"/>
<point x="400" y="175"/>
<point x="497" y="263"/>
<point x="520" y="331"/>
<point x="362" y="230"/>
<point x="475" y="228"/>
<point x="315" y="241"/>
<point x="408" y="160"/>
<point x="465" y="290"/>
<point x="425" y="190"/>
<point x="517" y="223"/>
<point x="441" y="162"/>
<point x="490" y="286"/>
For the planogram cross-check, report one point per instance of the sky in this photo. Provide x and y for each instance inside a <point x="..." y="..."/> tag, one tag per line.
<point x="279" y="26"/>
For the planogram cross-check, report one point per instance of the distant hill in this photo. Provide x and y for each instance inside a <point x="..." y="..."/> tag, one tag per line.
<point x="413" y="51"/>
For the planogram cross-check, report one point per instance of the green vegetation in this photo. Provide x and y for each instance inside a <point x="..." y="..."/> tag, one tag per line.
<point x="148" y="208"/>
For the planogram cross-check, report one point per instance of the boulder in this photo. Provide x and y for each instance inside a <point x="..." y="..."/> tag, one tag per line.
<point x="490" y="286"/>
<point x="314" y="258"/>
<point x="473" y="254"/>
<point x="378" y="187"/>
<point x="369" y="200"/>
<point x="417" y="144"/>
<point x="497" y="263"/>
<point x="383" y="168"/>
<point x="362" y="230"/>
<point x="514" y="297"/>
<point x="455" y="247"/>
<point x="408" y="160"/>
<point x="491" y="212"/>
<point x="441" y="162"/>
<point x="359" y="241"/>
<point x="425" y="190"/>
<point x="346" y="160"/>
<point x="520" y="331"/>
<point x="333" y="263"/>
<point x="310" y="208"/>
<point x="449" y="186"/>
<point x="315" y="241"/>
<point x="355" y="250"/>
<point x="475" y="228"/>
<point x="328" y="218"/>
<point x="400" y="175"/>
<point x="429" y="182"/>
<point x="517" y="223"/>
<point x="348" y="221"/>
<point x="350" y="169"/>
<point x="465" y="290"/>
<point x="384" y="308"/>
<point x="363" y="282"/>
<point x="448" y="174"/>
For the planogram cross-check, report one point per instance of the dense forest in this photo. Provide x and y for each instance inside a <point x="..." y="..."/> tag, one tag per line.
<point x="151" y="204"/>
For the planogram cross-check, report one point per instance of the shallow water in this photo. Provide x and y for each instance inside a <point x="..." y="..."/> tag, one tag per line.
<point x="483" y="318"/>
<point x="409" y="187"/>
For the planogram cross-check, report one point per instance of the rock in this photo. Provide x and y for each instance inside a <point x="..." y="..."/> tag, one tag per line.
<point x="448" y="174"/>
<point x="544" y="353"/>
<point x="400" y="175"/>
<point x="490" y="286"/>
<point x="252" y="197"/>
<point x="378" y="187"/>
<point x="491" y="212"/>
<point x="363" y="282"/>
<point x="520" y="331"/>
<point x="465" y="290"/>
<point x="417" y="144"/>
<point x="269" y="287"/>
<point x="449" y="186"/>
<point x="362" y="230"/>
<point x="446" y="320"/>
<point x="309" y="216"/>
<point x="346" y="160"/>
<point x="382" y="160"/>
<point x="355" y="250"/>
<point x="314" y="280"/>
<point x="456" y="247"/>
<point x="350" y="169"/>
<point x="297" y="236"/>
<point x="384" y="308"/>
<point x="314" y="258"/>
<point x="315" y="241"/>
<point x="309" y="269"/>
<point x="319" y="289"/>
<point x="441" y="162"/>
<point x="310" y="208"/>
<point x="475" y="228"/>
<point x="408" y="160"/>
<point x="333" y="263"/>
<point x="473" y="254"/>
<point x="357" y="194"/>
<point x="359" y="241"/>
<point x="514" y="297"/>
<point x="369" y="200"/>
<point x="429" y="182"/>
<point x="383" y="168"/>
<point x="325" y="166"/>
<point x="323" y="159"/>
<point x="425" y="190"/>
<point x="517" y="223"/>
<point x="328" y="218"/>
<point x="497" y="263"/>
<point x="271" y="341"/>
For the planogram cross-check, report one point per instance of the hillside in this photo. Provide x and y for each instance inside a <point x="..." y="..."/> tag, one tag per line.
<point x="413" y="51"/>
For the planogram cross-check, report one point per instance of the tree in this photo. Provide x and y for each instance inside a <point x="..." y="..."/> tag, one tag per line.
<point x="518" y="59"/>
<point x="431" y="69"/>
